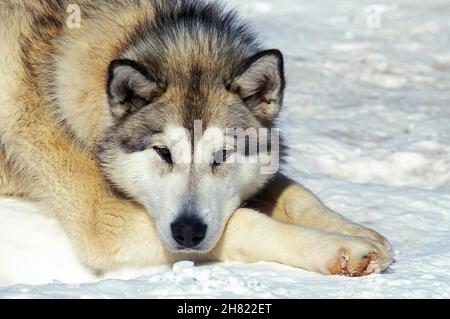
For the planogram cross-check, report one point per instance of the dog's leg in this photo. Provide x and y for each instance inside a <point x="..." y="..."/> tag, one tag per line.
<point x="107" y="231"/>
<point x="290" y="202"/>
<point x="251" y="236"/>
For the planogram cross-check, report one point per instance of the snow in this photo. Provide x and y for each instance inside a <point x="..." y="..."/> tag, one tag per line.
<point x="367" y="119"/>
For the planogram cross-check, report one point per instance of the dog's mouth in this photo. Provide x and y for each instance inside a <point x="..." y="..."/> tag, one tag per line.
<point x="198" y="250"/>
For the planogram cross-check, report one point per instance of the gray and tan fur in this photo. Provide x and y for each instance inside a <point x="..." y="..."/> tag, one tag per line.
<point x="88" y="117"/>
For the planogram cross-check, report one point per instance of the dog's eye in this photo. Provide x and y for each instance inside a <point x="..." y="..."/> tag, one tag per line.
<point x="164" y="153"/>
<point x="221" y="157"/>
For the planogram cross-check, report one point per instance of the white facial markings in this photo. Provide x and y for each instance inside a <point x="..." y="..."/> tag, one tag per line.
<point x="211" y="192"/>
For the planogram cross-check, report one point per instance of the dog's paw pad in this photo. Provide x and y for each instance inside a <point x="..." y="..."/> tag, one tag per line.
<point x="339" y="266"/>
<point x="367" y="265"/>
<point x="350" y="265"/>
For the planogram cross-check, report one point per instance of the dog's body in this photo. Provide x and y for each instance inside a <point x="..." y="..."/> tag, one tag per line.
<point x="87" y="117"/>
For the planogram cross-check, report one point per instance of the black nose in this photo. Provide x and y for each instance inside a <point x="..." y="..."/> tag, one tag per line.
<point x="188" y="231"/>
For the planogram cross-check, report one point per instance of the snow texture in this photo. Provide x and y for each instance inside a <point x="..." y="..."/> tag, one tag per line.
<point x="367" y="119"/>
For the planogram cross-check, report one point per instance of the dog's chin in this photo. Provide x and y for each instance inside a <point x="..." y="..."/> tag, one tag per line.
<point x="200" y="249"/>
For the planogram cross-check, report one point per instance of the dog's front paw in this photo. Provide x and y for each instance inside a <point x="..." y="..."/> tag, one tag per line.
<point x="359" y="256"/>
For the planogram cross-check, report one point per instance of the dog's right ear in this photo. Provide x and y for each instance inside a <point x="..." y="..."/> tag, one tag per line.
<point x="130" y="87"/>
<point x="260" y="83"/>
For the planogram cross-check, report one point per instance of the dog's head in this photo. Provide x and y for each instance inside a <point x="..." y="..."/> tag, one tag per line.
<point x="191" y="148"/>
<point x="192" y="96"/>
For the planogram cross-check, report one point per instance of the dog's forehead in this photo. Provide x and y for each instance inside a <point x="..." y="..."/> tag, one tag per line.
<point x="174" y="134"/>
<point x="209" y="104"/>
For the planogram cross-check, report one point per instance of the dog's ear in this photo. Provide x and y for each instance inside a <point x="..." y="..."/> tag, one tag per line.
<point x="130" y="87"/>
<point x="260" y="82"/>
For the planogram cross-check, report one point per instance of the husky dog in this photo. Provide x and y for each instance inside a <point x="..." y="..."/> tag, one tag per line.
<point x="90" y="118"/>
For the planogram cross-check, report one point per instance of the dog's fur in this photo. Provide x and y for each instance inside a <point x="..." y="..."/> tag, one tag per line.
<point x="81" y="109"/>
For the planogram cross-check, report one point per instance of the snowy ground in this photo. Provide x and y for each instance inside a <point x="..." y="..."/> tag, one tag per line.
<point x="367" y="118"/>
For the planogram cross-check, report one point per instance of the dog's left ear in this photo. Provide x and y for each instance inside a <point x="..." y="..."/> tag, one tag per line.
<point x="260" y="82"/>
